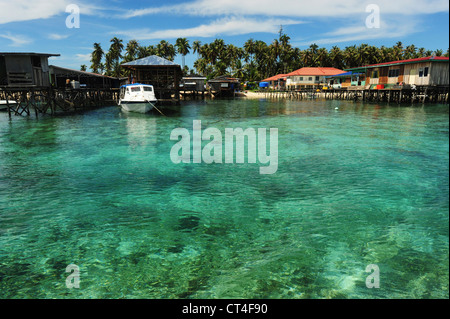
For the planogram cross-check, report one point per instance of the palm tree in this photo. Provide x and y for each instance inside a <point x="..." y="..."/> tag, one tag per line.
<point x="109" y="61"/>
<point x="336" y="57"/>
<point x="116" y="48"/>
<point x="83" y="68"/>
<point x="363" y="54"/>
<point x="351" y="56"/>
<point x="439" y="52"/>
<point x="96" y="57"/>
<point x="131" y="51"/>
<point x="196" y="45"/>
<point x="322" y="57"/>
<point x="142" y="52"/>
<point x="249" y="48"/>
<point x="200" y="66"/>
<point x="166" y="50"/>
<point x="410" y="52"/>
<point x="398" y="51"/>
<point x="183" y="48"/>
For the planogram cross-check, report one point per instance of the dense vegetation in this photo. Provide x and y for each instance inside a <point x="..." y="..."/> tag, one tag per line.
<point x="255" y="61"/>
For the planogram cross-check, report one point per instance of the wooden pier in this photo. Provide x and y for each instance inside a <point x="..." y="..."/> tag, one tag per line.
<point x="420" y="94"/>
<point x="53" y="101"/>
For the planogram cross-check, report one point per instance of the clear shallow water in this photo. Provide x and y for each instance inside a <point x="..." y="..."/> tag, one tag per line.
<point x="364" y="184"/>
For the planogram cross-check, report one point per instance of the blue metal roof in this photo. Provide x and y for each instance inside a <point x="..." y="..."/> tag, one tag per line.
<point x="343" y="75"/>
<point x="153" y="60"/>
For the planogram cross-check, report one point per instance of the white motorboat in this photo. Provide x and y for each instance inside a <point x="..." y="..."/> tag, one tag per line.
<point x="4" y="104"/>
<point x="138" y="98"/>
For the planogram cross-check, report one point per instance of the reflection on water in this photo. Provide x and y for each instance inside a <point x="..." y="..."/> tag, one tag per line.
<point x="141" y="130"/>
<point x="357" y="184"/>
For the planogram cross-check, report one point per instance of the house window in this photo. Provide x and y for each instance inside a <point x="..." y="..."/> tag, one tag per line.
<point x="421" y="73"/>
<point x="317" y="79"/>
<point x="375" y="74"/>
<point x="426" y="71"/>
<point x="394" y="73"/>
<point x="301" y="78"/>
<point x="310" y="78"/>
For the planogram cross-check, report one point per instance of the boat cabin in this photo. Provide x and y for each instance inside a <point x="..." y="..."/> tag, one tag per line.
<point x="137" y="93"/>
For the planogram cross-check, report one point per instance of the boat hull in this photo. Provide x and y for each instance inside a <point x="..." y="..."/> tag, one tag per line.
<point x="136" y="107"/>
<point x="4" y="105"/>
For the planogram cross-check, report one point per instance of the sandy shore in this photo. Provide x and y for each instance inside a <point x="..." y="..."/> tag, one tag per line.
<point x="252" y="95"/>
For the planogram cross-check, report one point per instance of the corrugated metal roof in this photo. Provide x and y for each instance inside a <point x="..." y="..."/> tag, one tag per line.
<point x="319" y="71"/>
<point x="418" y="60"/>
<point x="29" y="53"/>
<point x="153" y="60"/>
<point x="275" y="78"/>
<point x="80" y="72"/>
<point x="343" y="75"/>
<point x="223" y="78"/>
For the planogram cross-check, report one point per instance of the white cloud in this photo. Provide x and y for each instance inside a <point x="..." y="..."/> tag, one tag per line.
<point x="83" y="57"/>
<point x="25" y="10"/>
<point x="17" y="39"/>
<point x="55" y="36"/>
<point x="294" y="8"/>
<point x="228" y="26"/>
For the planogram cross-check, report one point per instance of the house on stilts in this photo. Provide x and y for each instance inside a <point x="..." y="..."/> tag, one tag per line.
<point x="164" y="75"/>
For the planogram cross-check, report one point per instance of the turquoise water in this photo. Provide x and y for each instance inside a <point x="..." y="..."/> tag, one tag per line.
<point x="358" y="185"/>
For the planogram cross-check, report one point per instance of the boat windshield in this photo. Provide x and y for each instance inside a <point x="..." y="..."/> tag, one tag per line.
<point x="148" y="89"/>
<point x="135" y="89"/>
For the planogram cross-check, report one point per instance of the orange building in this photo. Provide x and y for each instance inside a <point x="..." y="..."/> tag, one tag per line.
<point x="310" y="77"/>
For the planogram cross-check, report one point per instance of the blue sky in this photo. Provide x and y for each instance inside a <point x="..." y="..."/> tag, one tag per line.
<point x="40" y="25"/>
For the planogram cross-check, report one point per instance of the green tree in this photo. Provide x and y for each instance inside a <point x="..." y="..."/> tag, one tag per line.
<point x="131" y="51"/>
<point x="196" y="46"/>
<point x="96" y="57"/>
<point x="183" y="48"/>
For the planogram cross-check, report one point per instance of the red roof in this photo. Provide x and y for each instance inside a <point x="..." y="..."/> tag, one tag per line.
<point x="316" y="72"/>
<point x="275" y="78"/>
<point x="417" y="60"/>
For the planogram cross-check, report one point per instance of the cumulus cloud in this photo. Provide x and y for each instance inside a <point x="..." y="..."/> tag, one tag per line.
<point x="25" y="10"/>
<point x="55" y="36"/>
<point x="228" y="26"/>
<point x="293" y="8"/>
<point x="17" y="39"/>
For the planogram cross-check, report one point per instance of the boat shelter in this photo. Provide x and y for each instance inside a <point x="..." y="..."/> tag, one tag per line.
<point x="193" y="83"/>
<point x="224" y="86"/>
<point x="20" y="69"/>
<point x="164" y="75"/>
<point x="61" y="76"/>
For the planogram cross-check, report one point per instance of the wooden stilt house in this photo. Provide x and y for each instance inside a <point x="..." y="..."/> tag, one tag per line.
<point x="164" y="75"/>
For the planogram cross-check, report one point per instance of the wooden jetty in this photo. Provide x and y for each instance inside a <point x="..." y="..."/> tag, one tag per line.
<point x="53" y="101"/>
<point x="420" y="94"/>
